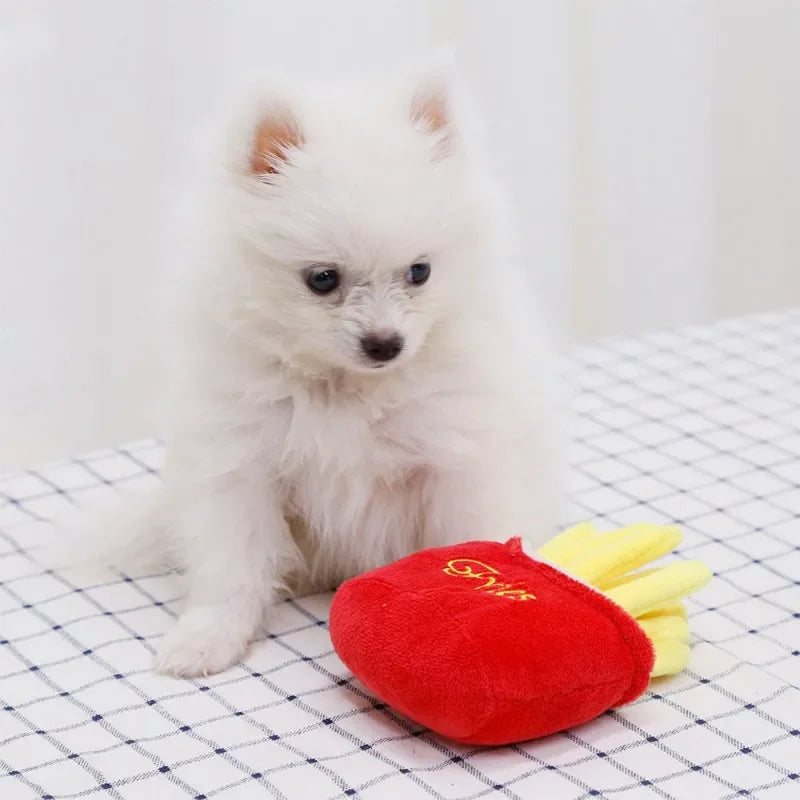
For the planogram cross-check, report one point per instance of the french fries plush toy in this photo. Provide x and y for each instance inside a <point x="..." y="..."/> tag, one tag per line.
<point x="486" y="644"/>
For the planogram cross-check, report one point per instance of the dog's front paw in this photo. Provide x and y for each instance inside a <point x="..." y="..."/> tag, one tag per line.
<point x="189" y="650"/>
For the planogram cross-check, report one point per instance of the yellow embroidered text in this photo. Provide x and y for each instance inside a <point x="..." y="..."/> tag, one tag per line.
<point x="489" y="577"/>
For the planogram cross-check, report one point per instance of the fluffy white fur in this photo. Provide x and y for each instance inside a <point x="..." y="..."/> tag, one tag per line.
<point x="295" y="462"/>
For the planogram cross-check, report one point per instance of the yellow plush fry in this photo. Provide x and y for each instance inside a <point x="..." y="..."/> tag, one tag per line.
<point x="621" y="555"/>
<point x="633" y="532"/>
<point x="676" y="610"/>
<point x="672" y="656"/>
<point x="583" y="541"/>
<point x="666" y="628"/>
<point x="568" y="544"/>
<point x="611" y="583"/>
<point x="662" y="587"/>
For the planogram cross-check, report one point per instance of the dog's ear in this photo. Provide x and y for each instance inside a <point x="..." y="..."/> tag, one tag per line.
<point x="277" y="133"/>
<point x="432" y="104"/>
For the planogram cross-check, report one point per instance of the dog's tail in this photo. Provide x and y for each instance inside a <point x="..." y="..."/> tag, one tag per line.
<point x="132" y="535"/>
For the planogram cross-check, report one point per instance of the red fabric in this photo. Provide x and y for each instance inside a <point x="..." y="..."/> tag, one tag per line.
<point x="438" y="637"/>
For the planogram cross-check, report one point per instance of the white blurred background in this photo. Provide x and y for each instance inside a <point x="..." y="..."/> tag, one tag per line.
<point x="650" y="147"/>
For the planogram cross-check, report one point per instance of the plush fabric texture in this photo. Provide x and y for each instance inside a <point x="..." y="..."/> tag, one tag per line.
<point x="485" y="645"/>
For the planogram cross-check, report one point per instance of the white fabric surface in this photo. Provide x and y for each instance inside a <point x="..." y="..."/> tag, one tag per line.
<point x="700" y="426"/>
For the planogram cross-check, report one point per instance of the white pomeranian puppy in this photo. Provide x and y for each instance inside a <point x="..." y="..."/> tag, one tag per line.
<point x="364" y="374"/>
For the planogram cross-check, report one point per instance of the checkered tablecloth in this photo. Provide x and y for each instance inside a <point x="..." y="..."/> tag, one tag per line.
<point x="701" y="426"/>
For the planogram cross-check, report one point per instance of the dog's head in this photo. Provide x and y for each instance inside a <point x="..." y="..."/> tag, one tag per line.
<point x="364" y="213"/>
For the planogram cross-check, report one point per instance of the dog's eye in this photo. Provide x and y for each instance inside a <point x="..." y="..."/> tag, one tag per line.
<point x="323" y="281"/>
<point x="419" y="273"/>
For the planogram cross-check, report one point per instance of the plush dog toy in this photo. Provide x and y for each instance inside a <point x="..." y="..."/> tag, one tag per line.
<point x="486" y="644"/>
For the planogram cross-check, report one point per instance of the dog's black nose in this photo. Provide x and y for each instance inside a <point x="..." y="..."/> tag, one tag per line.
<point x="380" y="347"/>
